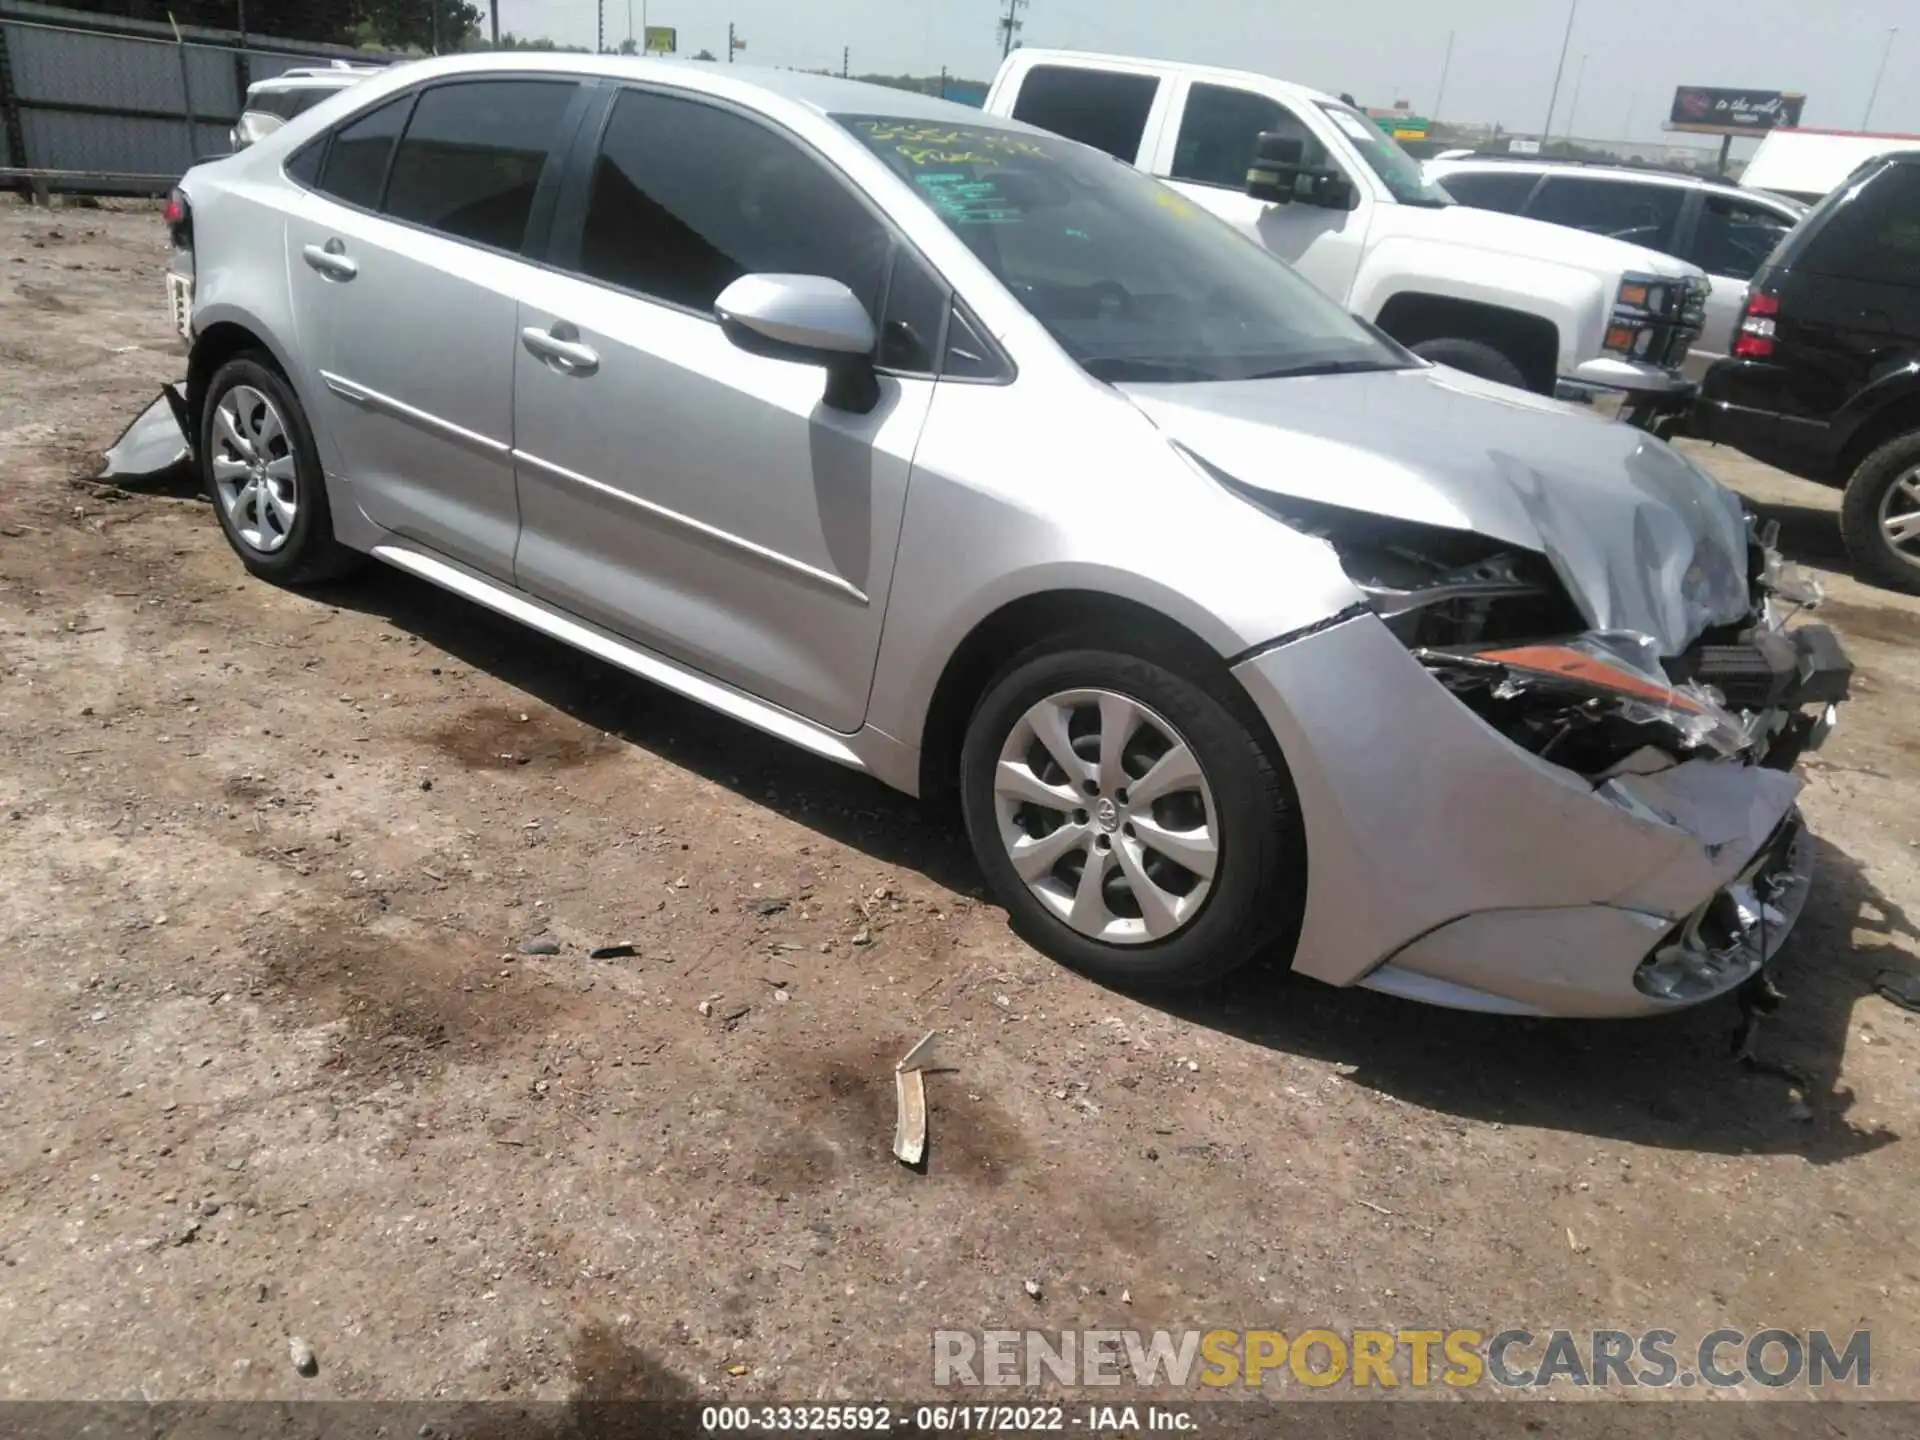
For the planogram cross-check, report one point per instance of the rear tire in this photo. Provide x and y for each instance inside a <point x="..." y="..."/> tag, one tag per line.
<point x="261" y="470"/>
<point x="1880" y="515"/>
<point x="1172" y="870"/>
<point x="1476" y="357"/>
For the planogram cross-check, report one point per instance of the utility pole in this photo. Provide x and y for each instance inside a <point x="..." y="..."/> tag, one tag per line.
<point x="601" y="46"/>
<point x="732" y="44"/>
<point x="495" y="8"/>
<point x="846" y="53"/>
<point x="1445" y="66"/>
<point x="1878" y="76"/>
<point x="433" y="23"/>
<point x="1573" y="9"/>
<point x="1579" y="79"/>
<point x="1010" y="26"/>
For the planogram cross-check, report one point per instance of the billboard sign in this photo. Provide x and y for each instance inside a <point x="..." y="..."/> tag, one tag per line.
<point x="662" y="40"/>
<point x="1703" y="110"/>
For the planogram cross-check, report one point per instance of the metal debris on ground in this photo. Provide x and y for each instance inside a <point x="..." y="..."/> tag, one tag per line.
<point x="910" y="1104"/>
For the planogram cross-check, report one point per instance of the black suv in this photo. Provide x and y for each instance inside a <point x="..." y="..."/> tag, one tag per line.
<point x="1824" y="378"/>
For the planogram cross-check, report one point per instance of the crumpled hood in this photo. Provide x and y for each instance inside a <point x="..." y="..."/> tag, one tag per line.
<point x="1645" y="541"/>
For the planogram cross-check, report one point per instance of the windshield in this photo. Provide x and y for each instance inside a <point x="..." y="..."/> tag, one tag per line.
<point x="1132" y="279"/>
<point x="1397" y="170"/>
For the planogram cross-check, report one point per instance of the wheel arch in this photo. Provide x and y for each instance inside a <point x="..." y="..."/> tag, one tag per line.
<point x="223" y="332"/>
<point x="1880" y="419"/>
<point x="1530" y="341"/>
<point x="1030" y="622"/>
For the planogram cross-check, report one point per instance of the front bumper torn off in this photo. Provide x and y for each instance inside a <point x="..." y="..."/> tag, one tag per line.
<point x="1447" y="862"/>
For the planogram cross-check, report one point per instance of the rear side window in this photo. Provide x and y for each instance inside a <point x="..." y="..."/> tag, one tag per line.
<point x="1101" y="108"/>
<point x="688" y="197"/>
<point x="1872" y="233"/>
<point x="1621" y="209"/>
<point x="1734" y="237"/>
<point x="472" y="156"/>
<point x="1501" y="190"/>
<point x="1221" y="130"/>
<point x="356" y="162"/>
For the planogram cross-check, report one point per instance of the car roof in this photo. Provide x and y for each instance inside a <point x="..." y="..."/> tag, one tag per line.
<point x="1532" y="165"/>
<point x="826" y="94"/>
<point x="1213" y="74"/>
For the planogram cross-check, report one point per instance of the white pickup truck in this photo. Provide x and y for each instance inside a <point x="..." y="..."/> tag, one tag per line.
<point x="1557" y="311"/>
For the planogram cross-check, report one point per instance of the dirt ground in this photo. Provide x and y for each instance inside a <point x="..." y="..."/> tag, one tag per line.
<point x="273" y="1062"/>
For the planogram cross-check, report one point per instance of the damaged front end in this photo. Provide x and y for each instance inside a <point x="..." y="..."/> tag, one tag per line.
<point x="1499" y="631"/>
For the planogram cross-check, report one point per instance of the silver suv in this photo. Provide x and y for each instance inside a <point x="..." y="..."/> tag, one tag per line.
<point x="1728" y="232"/>
<point x="961" y="454"/>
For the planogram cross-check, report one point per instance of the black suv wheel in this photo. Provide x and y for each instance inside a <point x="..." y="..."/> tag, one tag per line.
<point x="1880" y="516"/>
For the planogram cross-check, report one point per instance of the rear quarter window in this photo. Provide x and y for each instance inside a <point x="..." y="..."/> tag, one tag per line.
<point x="1869" y="230"/>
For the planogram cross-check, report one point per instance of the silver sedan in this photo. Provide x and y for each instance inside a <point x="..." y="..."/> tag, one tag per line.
<point x="960" y="454"/>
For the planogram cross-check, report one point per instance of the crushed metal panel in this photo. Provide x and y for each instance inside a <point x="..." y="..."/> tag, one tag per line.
<point x="154" y="443"/>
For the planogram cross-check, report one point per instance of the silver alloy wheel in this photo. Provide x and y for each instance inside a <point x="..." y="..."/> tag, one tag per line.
<point x="254" y="469"/>
<point x="1900" y="517"/>
<point x="1106" y="815"/>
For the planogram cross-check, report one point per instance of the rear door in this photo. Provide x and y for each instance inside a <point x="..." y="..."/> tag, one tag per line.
<point x="674" y="488"/>
<point x="404" y="262"/>
<point x="1112" y="110"/>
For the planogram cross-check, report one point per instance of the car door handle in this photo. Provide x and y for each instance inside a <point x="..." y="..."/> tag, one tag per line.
<point x="560" y="350"/>
<point x="330" y="261"/>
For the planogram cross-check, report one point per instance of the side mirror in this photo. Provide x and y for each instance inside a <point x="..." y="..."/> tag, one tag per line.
<point x="808" y="319"/>
<point x="1276" y="173"/>
<point x="1276" y="165"/>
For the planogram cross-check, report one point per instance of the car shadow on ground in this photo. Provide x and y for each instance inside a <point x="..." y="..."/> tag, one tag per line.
<point x="1670" y="1082"/>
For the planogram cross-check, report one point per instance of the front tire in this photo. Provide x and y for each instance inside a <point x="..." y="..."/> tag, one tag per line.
<point x="1880" y="515"/>
<point x="1129" y="821"/>
<point x="1476" y="357"/>
<point x="261" y="469"/>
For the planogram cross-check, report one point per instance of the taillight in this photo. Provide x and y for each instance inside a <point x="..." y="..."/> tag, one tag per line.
<point x="1754" y="341"/>
<point x="179" y="216"/>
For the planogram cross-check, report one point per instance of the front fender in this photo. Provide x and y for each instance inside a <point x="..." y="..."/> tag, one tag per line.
<point x="1060" y="484"/>
<point x="1572" y="300"/>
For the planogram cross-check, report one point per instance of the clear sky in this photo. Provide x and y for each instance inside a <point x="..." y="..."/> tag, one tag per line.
<point x="1379" y="50"/>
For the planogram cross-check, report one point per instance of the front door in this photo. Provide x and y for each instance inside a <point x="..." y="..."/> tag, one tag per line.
<point x="403" y="263"/>
<point x="703" y="501"/>
<point x="1213" y="148"/>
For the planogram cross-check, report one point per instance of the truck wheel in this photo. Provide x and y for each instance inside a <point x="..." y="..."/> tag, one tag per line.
<point x="1476" y="357"/>
<point x="1880" y="515"/>
<point x="1130" y="823"/>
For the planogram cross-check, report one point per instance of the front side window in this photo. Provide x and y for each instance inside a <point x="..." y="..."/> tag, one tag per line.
<point x="687" y="198"/>
<point x="472" y="156"/>
<point x="1502" y="190"/>
<point x="1628" y="210"/>
<point x="356" y="160"/>
<point x="1734" y="237"/>
<point x="1132" y="279"/>
<point x="1221" y="130"/>
<point x="1102" y="108"/>
<point x="1396" y="169"/>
